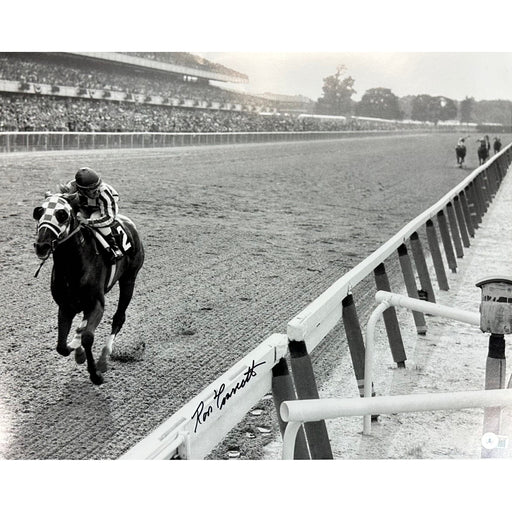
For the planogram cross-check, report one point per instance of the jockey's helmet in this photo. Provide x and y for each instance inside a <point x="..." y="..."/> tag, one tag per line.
<point x="87" y="179"/>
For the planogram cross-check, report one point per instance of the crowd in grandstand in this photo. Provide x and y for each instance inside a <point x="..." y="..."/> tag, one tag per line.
<point x="52" y="70"/>
<point x="20" y="111"/>
<point x="24" y="112"/>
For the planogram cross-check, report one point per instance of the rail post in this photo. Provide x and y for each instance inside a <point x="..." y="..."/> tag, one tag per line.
<point x="461" y="222"/>
<point x="493" y="179"/>
<point x="305" y="385"/>
<point x="475" y="205"/>
<point x="282" y="389"/>
<point x="390" y="320"/>
<point x="421" y="266"/>
<point x="499" y="172"/>
<point x="447" y="243"/>
<point x="437" y="259"/>
<point x="478" y="199"/>
<point x="355" y="341"/>
<point x="486" y="186"/>
<point x="467" y="214"/>
<point x="411" y="286"/>
<point x="496" y="319"/>
<point x="479" y="189"/>
<point x="454" y="228"/>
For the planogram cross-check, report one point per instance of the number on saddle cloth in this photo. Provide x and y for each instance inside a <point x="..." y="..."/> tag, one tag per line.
<point x="121" y="235"/>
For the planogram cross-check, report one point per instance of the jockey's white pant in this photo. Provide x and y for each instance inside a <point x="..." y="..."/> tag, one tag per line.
<point x="105" y="231"/>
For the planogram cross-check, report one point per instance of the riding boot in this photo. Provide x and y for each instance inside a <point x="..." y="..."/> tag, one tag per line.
<point x="116" y="252"/>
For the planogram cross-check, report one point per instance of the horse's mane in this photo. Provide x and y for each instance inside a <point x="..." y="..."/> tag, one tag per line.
<point x="72" y="199"/>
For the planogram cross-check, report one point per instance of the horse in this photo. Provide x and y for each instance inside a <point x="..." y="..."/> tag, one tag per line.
<point x="497" y="145"/>
<point x="483" y="151"/>
<point x="460" y="151"/>
<point x="83" y="273"/>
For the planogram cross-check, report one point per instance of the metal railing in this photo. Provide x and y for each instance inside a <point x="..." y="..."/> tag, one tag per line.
<point x="297" y="412"/>
<point x="319" y="317"/>
<point x="386" y="300"/>
<point x="52" y="141"/>
<point x="464" y="207"/>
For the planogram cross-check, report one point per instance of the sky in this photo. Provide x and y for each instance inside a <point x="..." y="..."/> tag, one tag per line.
<point x="483" y="76"/>
<point x="455" y="49"/>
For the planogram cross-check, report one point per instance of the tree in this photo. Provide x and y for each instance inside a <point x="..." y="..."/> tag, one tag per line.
<point x="337" y="94"/>
<point x="433" y="108"/>
<point x="447" y="108"/>
<point x="379" y="102"/>
<point x="442" y="109"/>
<point x="420" y="107"/>
<point x="405" y="104"/>
<point x="466" y="109"/>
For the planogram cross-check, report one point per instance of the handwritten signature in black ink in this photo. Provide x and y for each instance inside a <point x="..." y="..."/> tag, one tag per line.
<point x="221" y="396"/>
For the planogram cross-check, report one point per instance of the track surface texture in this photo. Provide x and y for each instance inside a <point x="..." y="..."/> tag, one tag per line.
<point x="238" y="239"/>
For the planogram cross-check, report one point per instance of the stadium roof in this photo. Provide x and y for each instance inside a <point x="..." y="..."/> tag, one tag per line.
<point x="226" y="75"/>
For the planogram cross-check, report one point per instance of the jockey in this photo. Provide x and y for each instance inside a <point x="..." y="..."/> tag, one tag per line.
<point x="98" y="204"/>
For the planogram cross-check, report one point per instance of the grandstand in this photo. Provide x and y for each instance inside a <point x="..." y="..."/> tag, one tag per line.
<point x="147" y="92"/>
<point x="115" y="92"/>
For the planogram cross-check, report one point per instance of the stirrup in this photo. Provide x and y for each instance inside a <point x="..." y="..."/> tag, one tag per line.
<point x="116" y="253"/>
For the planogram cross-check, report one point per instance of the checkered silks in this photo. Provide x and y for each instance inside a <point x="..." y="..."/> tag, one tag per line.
<point x="51" y="205"/>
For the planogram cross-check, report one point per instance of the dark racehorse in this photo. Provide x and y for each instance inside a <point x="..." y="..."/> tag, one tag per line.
<point x="483" y="150"/>
<point x="497" y="145"/>
<point x="460" y="151"/>
<point x="83" y="273"/>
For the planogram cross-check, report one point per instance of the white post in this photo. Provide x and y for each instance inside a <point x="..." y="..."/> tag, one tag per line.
<point x="368" y="358"/>
<point x="296" y="412"/>
<point x="387" y="299"/>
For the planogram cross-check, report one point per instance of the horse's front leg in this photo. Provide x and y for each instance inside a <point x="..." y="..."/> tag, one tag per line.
<point x="76" y="343"/>
<point x="65" y="320"/>
<point x="93" y="318"/>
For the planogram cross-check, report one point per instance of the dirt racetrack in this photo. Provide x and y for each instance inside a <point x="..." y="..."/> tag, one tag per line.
<point x="238" y="238"/>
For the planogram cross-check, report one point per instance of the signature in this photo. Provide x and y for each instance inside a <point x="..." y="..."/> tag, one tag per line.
<point x="221" y="396"/>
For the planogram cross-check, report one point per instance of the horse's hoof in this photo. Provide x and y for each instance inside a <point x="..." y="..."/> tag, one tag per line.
<point x="102" y="365"/>
<point x="80" y="355"/>
<point x="97" y="378"/>
<point x="63" y="351"/>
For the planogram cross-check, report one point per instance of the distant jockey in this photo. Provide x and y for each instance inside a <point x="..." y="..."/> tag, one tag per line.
<point x="460" y="151"/>
<point x="98" y="204"/>
<point x="497" y="145"/>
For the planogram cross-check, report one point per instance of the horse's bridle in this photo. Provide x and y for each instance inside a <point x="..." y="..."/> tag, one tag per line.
<point x="58" y="240"/>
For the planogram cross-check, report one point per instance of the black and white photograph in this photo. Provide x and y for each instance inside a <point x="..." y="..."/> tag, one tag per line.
<point x="251" y="254"/>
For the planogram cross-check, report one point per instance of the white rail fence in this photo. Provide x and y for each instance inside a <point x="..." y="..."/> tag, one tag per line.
<point x="386" y="300"/>
<point x="51" y="141"/>
<point x="202" y="423"/>
<point x="314" y="322"/>
<point x="297" y="412"/>
<point x="195" y="429"/>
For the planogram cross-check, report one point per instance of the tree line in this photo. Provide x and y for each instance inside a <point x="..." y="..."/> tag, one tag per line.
<point x="381" y="102"/>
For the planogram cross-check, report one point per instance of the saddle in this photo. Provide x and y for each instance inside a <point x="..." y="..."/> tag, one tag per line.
<point x="121" y="235"/>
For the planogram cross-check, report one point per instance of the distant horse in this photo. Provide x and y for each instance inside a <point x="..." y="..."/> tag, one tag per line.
<point x="83" y="273"/>
<point x="483" y="151"/>
<point x="488" y="143"/>
<point x="497" y="145"/>
<point x="460" y="151"/>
